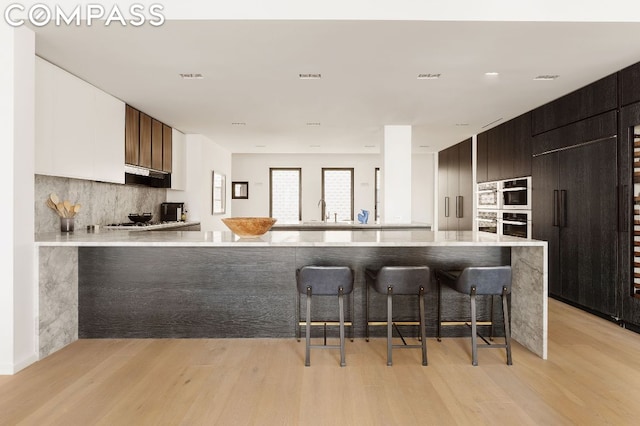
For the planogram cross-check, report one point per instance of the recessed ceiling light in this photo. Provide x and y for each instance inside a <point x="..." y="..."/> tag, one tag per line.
<point x="313" y="123"/>
<point x="191" y="76"/>
<point x="369" y="146"/>
<point x="428" y="76"/>
<point x="310" y="76"/>
<point x="425" y="146"/>
<point x="462" y="124"/>
<point x="314" y="146"/>
<point x="260" y="146"/>
<point x="238" y="123"/>
<point x="492" y="73"/>
<point x="546" y="77"/>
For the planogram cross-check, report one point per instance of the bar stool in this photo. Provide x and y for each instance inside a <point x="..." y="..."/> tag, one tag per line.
<point x="324" y="281"/>
<point x="480" y="280"/>
<point x="400" y="281"/>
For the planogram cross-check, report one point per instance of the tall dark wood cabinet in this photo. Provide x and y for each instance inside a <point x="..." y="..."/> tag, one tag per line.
<point x="455" y="188"/>
<point x="574" y="179"/>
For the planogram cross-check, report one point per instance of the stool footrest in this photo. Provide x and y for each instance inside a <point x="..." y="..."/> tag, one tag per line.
<point x="465" y="323"/>
<point x="406" y="346"/>
<point x="346" y="323"/>
<point x="492" y="346"/>
<point x="395" y="322"/>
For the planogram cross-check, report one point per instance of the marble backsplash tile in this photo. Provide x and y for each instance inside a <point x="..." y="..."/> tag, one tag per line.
<point x="102" y="203"/>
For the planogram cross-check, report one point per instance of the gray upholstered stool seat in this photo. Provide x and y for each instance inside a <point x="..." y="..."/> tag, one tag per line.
<point x="480" y="280"/>
<point x="400" y="281"/>
<point x="324" y="281"/>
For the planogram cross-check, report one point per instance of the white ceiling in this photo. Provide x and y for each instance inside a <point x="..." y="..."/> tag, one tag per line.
<point x="369" y="75"/>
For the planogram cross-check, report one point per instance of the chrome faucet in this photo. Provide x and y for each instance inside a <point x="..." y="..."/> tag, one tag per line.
<point x="323" y="205"/>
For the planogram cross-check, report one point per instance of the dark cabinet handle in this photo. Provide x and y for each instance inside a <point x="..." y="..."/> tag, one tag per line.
<point x="446" y="206"/>
<point x="623" y="208"/>
<point x="563" y="208"/>
<point x="459" y="206"/>
<point x="556" y="205"/>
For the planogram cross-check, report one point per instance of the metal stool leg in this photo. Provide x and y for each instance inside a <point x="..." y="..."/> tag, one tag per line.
<point x="491" y="319"/>
<point x="423" y="331"/>
<point x="298" y="317"/>
<point x="439" y="309"/>
<point x="307" y="356"/>
<point x="341" y="304"/>
<point x="389" y="325"/>
<point x="366" y="311"/>
<point x="507" y="328"/>
<point x="353" y="314"/>
<point x="474" y="336"/>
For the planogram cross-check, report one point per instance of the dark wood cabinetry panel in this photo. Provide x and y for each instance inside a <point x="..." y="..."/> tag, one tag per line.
<point x="167" y="147"/>
<point x="455" y="188"/>
<point x="145" y="140"/>
<point x="588" y="242"/>
<point x="629" y="80"/>
<point x="156" y="144"/>
<point x="601" y="126"/>
<point x="482" y="150"/>
<point x="507" y="149"/>
<point x="575" y="210"/>
<point x="132" y="136"/>
<point x="544" y="183"/>
<point x="594" y="99"/>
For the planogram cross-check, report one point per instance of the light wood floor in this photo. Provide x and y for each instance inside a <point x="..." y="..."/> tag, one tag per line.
<point x="592" y="376"/>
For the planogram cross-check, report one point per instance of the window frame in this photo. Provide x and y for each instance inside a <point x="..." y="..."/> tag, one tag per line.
<point x="271" y="170"/>
<point x="351" y="170"/>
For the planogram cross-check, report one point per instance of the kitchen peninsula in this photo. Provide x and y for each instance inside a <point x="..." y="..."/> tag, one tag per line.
<point x="118" y="284"/>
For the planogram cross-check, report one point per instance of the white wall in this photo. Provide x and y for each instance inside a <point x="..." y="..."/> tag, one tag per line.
<point x="422" y="188"/>
<point x="203" y="157"/>
<point x="254" y="168"/>
<point x="18" y="308"/>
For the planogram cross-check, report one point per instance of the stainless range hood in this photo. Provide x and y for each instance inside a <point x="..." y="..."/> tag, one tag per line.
<point x="134" y="175"/>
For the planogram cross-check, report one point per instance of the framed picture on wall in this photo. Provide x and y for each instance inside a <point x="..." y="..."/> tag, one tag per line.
<point x="218" y="193"/>
<point x="240" y="190"/>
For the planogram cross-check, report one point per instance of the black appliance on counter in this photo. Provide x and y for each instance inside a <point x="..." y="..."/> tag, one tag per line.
<point x="171" y="212"/>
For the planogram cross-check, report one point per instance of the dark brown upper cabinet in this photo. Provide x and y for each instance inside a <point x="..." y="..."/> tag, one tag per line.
<point x="629" y="79"/>
<point x="145" y="140"/>
<point x="148" y="142"/>
<point x="132" y="136"/>
<point x="504" y="152"/>
<point x="596" y="98"/>
<point x="156" y="144"/>
<point x="167" y="147"/>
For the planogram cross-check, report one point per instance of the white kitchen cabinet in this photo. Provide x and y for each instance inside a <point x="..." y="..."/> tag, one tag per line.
<point x="179" y="161"/>
<point x="79" y="128"/>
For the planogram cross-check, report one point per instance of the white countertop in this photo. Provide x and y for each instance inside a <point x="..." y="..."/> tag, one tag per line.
<point x="333" y="238"/>
<point x="347" y="224"/>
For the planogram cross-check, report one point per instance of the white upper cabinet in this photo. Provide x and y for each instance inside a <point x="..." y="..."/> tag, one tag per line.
<point x="178" y="161"/>
<point x="79" y="128"/>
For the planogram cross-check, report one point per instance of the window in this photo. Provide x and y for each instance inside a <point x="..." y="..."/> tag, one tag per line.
<point x="337" y="193"/>
<point x="285" y="189"/>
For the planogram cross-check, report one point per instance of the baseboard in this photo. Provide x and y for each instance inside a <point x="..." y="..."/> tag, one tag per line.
<point x="11" y="369"/>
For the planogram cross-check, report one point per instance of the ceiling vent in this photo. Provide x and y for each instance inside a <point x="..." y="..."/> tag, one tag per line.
<point x="238" y="123"/>
<point x="191" y="76"/>
<point x="545" y="77"/>
<point x="311" y="76"/>
<point x="428" y="76"/>
<point x="314" y="123"/>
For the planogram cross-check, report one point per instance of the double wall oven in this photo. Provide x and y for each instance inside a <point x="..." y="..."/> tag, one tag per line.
<point x="504" y="207"/>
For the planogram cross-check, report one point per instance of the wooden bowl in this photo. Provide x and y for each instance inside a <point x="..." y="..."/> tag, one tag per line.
<point x="249" y="227"/>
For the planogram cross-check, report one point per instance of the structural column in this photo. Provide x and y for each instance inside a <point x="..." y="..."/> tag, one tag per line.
<point x="396" y="175"/>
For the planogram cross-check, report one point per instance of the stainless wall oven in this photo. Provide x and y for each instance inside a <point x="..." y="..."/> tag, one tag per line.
<point x="516" y="223"/>
<point x="487" y="221"/>
<point x="516" y="194"/>
<point x="488" y="196"/>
